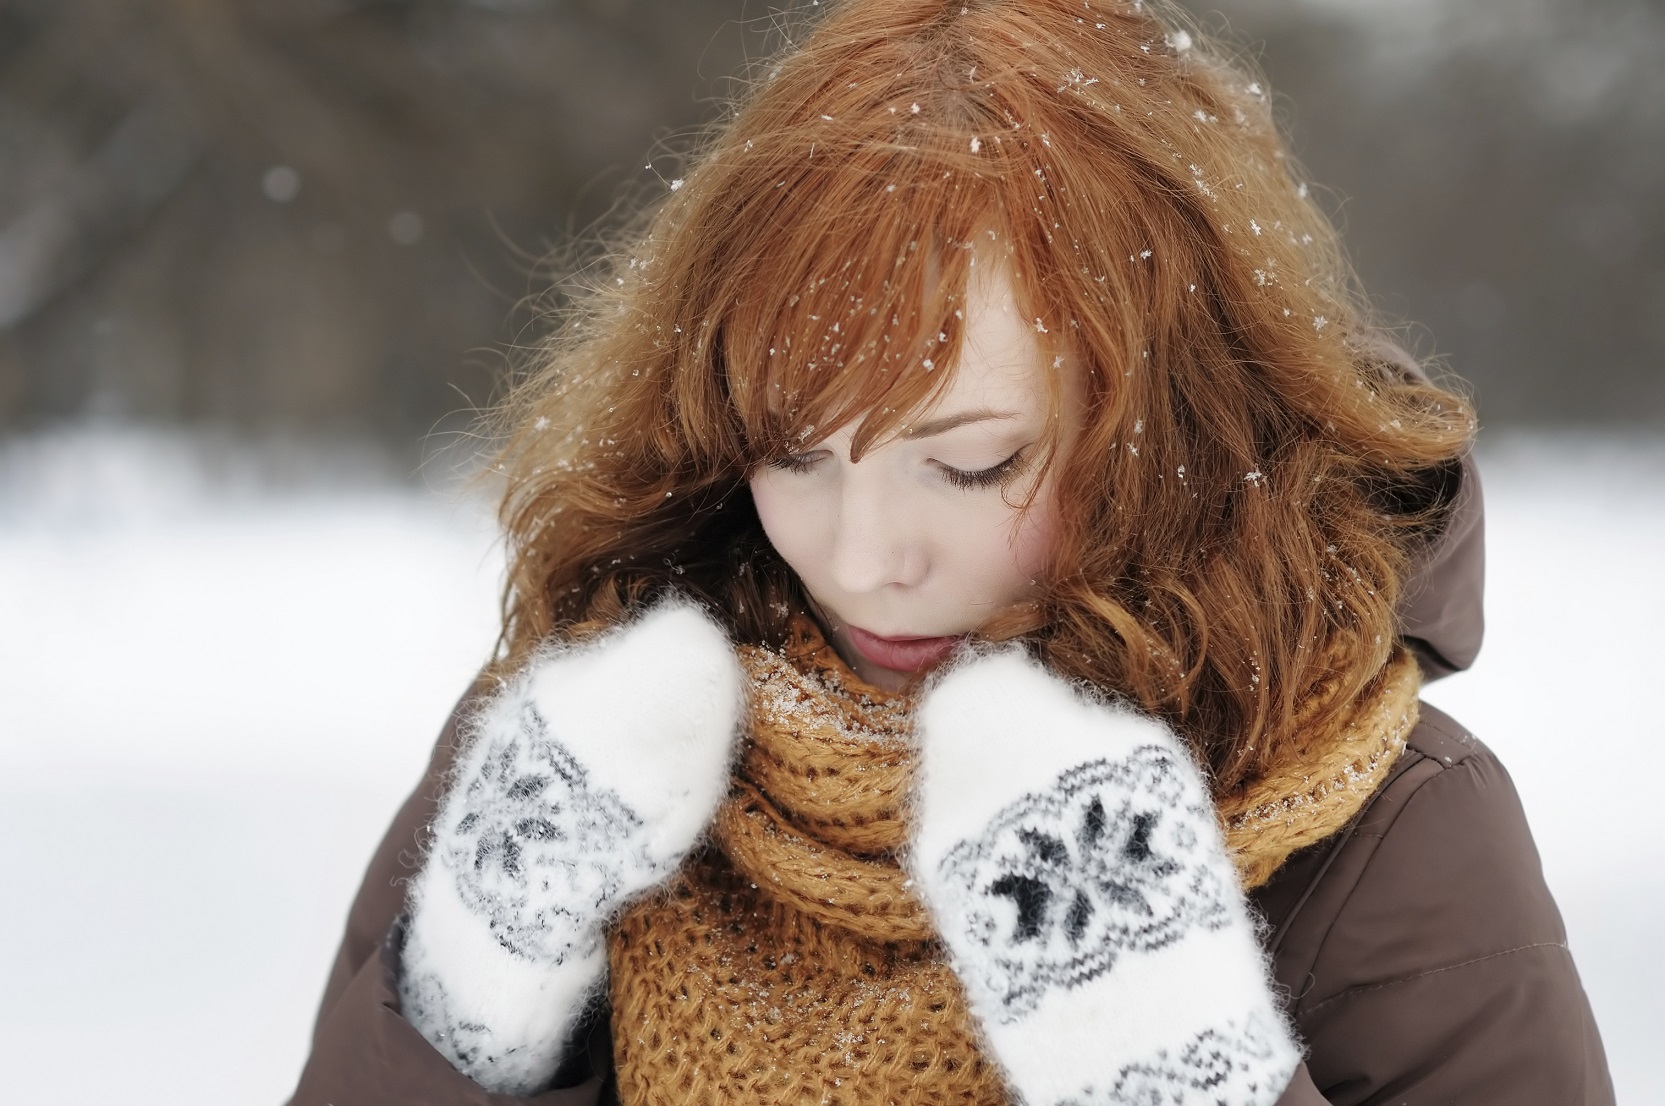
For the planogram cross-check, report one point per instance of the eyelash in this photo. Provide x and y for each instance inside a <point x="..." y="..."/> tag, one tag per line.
<point x="998" y="475"/>
<point x="983" y="478"/>
<point x="792" y="463"/>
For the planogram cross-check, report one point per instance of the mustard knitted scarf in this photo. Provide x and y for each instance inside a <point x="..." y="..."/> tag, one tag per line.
<point x="789" y="962"/>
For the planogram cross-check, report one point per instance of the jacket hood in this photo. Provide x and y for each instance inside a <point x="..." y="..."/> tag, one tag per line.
<point x="1441" y="617"/>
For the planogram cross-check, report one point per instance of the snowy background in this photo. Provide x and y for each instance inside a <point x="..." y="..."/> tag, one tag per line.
<point x="223" y="656"/>
<point x="222" y="667"/>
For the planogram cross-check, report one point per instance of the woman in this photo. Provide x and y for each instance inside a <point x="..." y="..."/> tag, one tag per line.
<point x="971" y="572"/>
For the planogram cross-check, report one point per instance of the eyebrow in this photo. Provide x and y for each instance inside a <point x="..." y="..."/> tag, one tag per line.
<point x="932" y="427"/>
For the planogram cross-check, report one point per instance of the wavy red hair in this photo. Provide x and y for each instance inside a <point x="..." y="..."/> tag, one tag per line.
<point x="1253" y="475"/>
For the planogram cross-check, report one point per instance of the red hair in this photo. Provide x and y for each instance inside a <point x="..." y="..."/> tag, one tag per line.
<point x="1252" y="477"/>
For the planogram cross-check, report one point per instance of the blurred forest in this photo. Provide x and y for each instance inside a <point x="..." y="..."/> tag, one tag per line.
<point x="327" y="216"/>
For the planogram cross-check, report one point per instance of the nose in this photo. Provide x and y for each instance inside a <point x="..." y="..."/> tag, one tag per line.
<point x="874" y="545"/>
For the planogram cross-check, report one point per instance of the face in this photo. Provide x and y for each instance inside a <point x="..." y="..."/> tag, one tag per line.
<point x="924" y="539"/>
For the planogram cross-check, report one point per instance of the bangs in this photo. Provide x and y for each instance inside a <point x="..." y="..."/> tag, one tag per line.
<point x="849" y="284"/>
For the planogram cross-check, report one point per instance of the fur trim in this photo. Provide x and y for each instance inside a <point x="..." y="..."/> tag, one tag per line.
<point x="1069" y="852"/>
<point x="588" y="778"/>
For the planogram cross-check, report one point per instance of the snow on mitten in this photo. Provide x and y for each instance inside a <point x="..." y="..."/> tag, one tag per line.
<point x="589" y="777"/>
<point x="1068" y="852"/>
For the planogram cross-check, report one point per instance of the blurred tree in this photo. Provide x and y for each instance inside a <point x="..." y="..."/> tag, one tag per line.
<point x="322" y="213"/>
<point x="311" y="212"/>
<point x="1499" y="168"/>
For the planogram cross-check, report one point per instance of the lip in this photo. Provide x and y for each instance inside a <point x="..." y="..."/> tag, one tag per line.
<point x="902" y="654"/>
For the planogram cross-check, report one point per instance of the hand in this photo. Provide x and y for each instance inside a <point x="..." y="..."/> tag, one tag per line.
<point x="588" y="778"/>
<point x="1068" y="852"/>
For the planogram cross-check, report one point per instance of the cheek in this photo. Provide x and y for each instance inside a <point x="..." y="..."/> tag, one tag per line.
<point x="787" y="521"/>
<point x="1032" y="539"/>
<point x="994" y="555"/>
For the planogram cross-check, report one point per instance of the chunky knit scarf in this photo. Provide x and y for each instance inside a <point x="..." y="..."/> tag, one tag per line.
<point x="789" y="962"/>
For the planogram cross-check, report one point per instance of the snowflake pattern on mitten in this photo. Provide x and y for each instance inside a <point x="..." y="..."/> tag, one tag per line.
<point x="538" y="849"/>
<point x="1105" y="862"/>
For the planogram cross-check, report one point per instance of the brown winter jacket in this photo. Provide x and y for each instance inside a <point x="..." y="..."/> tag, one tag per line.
<point x="1423" y="959"/>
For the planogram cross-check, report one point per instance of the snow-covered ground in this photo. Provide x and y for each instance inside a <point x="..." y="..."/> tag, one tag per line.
<point x="216" y="686"/>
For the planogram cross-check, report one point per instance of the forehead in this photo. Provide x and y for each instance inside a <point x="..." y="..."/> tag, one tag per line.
<point x="1001" y="366"/>
<point x="1001" y="363"/>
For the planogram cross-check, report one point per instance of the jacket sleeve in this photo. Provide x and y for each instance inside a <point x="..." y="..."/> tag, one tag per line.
<point x="1442" y="974"/>
<point x="364" y="1053"/>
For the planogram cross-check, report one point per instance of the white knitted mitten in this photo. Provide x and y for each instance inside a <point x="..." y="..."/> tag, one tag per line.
<point x="588" y="779"/>
<point x="1068" y="852"/>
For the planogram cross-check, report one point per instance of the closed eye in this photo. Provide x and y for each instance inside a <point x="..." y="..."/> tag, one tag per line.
<point x="794" y="462"/>
<point x="995" y="476"/>
<point x="1000" y="474"/>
